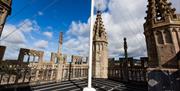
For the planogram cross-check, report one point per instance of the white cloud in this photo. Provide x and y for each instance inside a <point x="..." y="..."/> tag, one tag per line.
<point x="78" y="28"/>
<point x="118" y="25"/>
<point x="28" y="25"/>
<point x="40" y="13"/>
<point x="13" y="42"/>
<point x="48" y="34"/>
<point x="15" y="37"/>
<point x="124" y="18"/>
<point x="101" y="4"/>
<point x="12" y="34"/>
<point x="41" y="44"/>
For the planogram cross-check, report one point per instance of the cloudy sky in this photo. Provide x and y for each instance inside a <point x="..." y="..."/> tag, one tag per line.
<point x="36" y="25"/>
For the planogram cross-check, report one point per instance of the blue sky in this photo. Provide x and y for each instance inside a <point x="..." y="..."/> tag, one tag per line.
<point x="52" y="16"/>
<point x="36" y="25"/>
<point x="57" y="14"/>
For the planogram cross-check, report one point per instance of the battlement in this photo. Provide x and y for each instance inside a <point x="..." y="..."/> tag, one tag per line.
<point x="130" y="62"/>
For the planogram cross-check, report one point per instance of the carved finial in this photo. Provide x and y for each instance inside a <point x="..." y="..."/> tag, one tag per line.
<point x="60" y="43"/>
<point x="158" y="10"/>
<point x="125" y="48"/>
<point x="61" y="38"/>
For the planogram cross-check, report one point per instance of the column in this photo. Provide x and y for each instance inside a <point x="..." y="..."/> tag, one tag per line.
<point x="37" y="75"/>
<point x="34" y="57"/>
<point x="59" y="71"/>
<point x="28" y="58"/>
<point x="51" y="77"/>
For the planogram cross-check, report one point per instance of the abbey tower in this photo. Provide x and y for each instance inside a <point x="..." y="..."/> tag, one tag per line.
<point x="100" y="54"/>
<point x="162" y="32"/>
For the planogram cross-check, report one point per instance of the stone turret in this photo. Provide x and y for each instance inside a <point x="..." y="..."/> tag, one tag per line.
<point x="60" y="58"/>
<point x="5" y="10"/>
<point x="162" y="32"/>
<point x="100" y="54"/>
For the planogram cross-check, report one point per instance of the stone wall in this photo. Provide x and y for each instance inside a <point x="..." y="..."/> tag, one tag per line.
<point x="24" y="71"/>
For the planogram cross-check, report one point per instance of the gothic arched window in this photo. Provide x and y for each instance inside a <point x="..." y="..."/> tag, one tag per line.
<point x="175" y="38"/>
<point x="167" y="36"/>
<point x="159" y="37"/>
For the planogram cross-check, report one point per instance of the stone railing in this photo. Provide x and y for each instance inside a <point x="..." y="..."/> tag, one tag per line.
<point x="138" y="74"/>
<point x="36" y="73"/>
<point x="74" y="71"/>
<point x="127" y="71"/>
<point x="32" y="69"/>
<point x="13" y="73"/>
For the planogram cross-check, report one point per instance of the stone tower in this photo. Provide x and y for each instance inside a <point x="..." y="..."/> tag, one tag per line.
<point x="60" y="43"/>
<point x="60" y="59"/>
<point x="5" y="10"/>
<point x="162" y="32"/>
<point x="100" y="54"/>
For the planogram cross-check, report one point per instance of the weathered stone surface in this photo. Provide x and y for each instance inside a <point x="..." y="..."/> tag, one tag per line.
<point x="100" y="52"/>
<point x="162" y="33"/>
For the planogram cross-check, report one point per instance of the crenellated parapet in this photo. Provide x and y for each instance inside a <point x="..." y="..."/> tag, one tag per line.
<point x="31" y="55"/>
<point x="131" y="62"/>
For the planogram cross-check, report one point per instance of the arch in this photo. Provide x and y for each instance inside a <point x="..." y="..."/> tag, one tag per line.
<point x="99" y="46"/>
<point x="26" y="58"/>
<point x="159" y="37"/>
<point x="102" y="46"/>
<point x="167" y="36"/>
<point x="175" y="39"/>
<point x="56" y="60"/>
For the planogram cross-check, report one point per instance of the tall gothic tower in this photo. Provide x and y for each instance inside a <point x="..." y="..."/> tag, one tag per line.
<point x="5" y="10"/>
<point x="60" y="43"/>
<point x="100" y="54"/>
<point x="162" y="32"/>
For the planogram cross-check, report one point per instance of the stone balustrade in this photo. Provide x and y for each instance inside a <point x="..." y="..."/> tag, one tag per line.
<point x="128" y="70"/>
